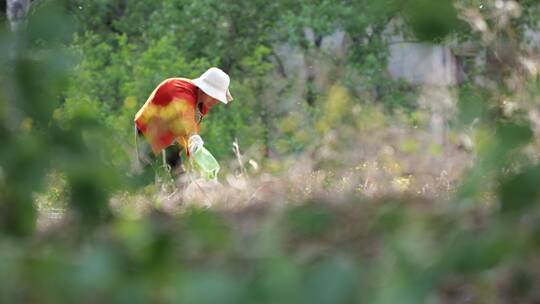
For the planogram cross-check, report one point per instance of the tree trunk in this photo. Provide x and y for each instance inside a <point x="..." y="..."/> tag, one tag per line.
<point x="16" y="12"/>
<point x="309" y="61"/>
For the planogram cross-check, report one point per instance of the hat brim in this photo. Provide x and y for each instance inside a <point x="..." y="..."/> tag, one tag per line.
<point x="209" y="90"/>
<point x="229" y="96"/>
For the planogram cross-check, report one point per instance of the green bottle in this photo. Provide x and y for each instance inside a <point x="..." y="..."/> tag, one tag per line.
<point x="205" y="163"/>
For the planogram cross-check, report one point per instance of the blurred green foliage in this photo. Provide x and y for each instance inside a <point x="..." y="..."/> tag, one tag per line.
<point x="73" y="78"/>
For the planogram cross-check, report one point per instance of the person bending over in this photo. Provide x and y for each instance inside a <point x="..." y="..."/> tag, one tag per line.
<point x="173" y="112"/>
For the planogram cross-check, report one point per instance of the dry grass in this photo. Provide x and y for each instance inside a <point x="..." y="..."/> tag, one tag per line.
<point x="396" y="161"/>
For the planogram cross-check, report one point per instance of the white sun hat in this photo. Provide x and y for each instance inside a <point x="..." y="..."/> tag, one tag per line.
<point x="215" y="83"/>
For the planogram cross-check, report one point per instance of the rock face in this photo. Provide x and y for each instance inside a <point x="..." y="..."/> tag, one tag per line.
<point x="16" y="12"/>
<point x="422" y="63"/>
<point x="533" y="36"/>
<point x="414" y="62"/>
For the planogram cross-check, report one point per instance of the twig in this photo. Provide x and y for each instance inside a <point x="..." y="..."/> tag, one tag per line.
<point x="236" y="150"/>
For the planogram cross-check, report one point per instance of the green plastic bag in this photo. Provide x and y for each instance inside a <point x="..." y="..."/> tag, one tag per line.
<point x="204" y="162"/>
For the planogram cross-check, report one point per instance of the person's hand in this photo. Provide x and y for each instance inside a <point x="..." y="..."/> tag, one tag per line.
<point x="195" y="142"/>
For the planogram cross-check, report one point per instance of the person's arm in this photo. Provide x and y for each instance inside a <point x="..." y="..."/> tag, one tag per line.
<point x="184" y="124"/>
<point x="182" y="113"/>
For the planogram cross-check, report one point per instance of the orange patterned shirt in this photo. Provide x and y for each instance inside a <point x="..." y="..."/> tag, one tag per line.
<point x="169" y="114"/>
